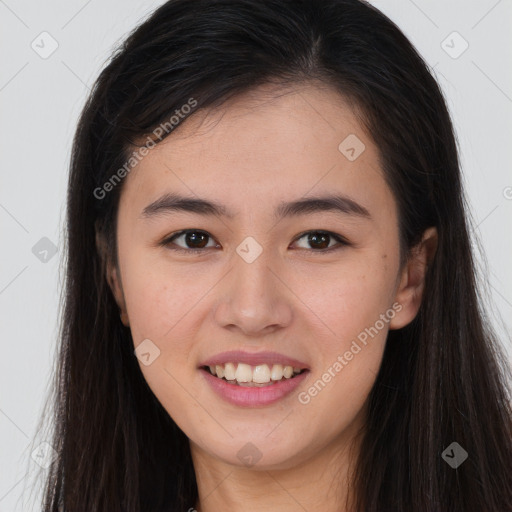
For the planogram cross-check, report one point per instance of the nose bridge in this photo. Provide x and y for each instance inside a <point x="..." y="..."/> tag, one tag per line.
<point x="252" y="297"/>
<point x="251" y="273"/>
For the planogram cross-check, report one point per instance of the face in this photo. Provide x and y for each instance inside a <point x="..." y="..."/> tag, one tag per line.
<point x="315" y="286"/>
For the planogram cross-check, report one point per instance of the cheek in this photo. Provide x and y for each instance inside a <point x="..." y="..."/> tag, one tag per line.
<point x="355" y="311"/>
<point x="163" y="304"/>
<point x="158" y="297"/>
<point x="350" y="300"/>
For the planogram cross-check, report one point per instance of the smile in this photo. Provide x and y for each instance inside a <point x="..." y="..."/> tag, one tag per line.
<point x="252" y="394"/>
<point x="242" y="374"/>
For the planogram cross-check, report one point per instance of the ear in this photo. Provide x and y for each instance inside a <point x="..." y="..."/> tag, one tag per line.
<point x="412" y="280"/>
<point x="112" y="276"/>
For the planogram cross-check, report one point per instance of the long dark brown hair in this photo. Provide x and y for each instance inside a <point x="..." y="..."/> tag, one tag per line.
<point x="443" y="378"/>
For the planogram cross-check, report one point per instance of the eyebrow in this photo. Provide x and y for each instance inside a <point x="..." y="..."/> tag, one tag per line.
<point x="172" y="202"/>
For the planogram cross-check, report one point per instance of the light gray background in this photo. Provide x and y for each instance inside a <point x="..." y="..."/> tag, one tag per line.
<point x="41" y="99"/>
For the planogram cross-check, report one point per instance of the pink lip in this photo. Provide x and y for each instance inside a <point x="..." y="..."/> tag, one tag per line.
<point x="253" y="396"/>
<point x="254" y="359"/>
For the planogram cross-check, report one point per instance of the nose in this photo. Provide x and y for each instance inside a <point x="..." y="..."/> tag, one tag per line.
<point x="252" y="299"/>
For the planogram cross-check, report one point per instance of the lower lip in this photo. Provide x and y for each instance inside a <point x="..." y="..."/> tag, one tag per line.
<point x="244" y="396"/>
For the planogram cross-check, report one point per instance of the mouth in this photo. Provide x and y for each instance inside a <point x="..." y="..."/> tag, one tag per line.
<point x="246" y="375"/>
<point x="249" y="386"/>
<point x="253" y="379"/>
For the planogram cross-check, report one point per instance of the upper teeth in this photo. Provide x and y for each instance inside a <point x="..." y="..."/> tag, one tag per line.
<point x="246" y="373"/>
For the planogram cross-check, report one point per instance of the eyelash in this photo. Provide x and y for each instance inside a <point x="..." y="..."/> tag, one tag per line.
<point x="342" y="242"/>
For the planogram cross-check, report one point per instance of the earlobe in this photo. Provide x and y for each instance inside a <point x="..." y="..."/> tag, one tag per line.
<point x="412" y="281"/>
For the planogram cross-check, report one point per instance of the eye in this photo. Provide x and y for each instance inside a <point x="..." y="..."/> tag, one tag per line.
<point x="320" y="241"/>
<point x="194" y="240"/>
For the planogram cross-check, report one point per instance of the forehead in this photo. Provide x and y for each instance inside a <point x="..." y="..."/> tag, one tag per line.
<point x="266" y="121"/>
<point x="270" y="142"/>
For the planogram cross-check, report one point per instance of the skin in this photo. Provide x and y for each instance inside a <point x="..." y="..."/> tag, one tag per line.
<point x="259" y="149"/>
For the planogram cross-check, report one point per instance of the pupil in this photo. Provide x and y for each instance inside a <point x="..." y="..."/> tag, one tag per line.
<point x="324" y="239"/>
<point x="194" y="237"/>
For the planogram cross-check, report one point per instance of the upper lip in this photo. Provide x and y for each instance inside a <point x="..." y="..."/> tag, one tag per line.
<point x="254" y="359"/>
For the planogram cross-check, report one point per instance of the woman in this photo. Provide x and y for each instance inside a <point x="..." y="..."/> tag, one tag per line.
<point x="271" y="300"/>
